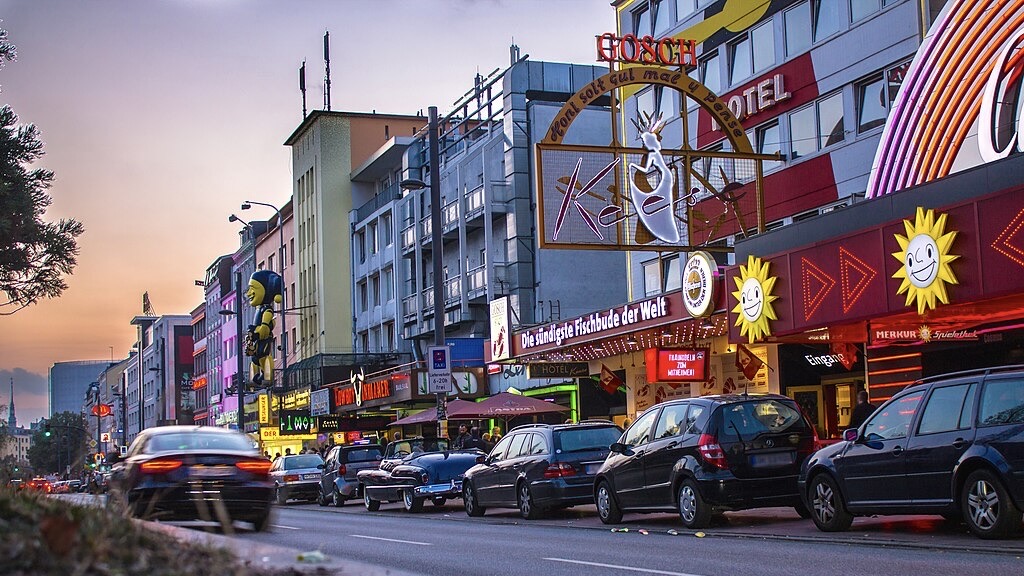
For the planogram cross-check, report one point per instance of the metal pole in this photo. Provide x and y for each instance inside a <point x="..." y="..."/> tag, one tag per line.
<point x="436" y="229"/>
<point x="240" y="381"/>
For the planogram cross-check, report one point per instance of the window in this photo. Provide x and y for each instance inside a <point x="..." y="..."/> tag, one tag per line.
<point x="817" y="126"/>
<point x="768" y="140"/>
<point x="537" y="445"/>
<point x="752" y="53"/>
<point x="692" y="415"/>
<point x="893" y="419"/>
<point x="648" y="102"/>
<point x="498" y="452"/>
<point x="361" y="245"/>
<point x="652" y="278"/>
<point x="710" y="74"/>
<point x="826" y="18"/>
<point x="372" y="238"/>
<point x="389" y="281"/>
<point x="862" y="8"/>
<point x="375" y="290"/>
<point x="642" y="22"/>
<point x="516" y="448"/>
<point x="876" y="94"/>
<point x="363" y="297"/>
<point x="640" y="432"/>
<point x="1002" y="402"/>
<point x="673" y="277"/>
<point x="385" y="230"/>
<point x="797" y="24"/>
<point x="945" y="409"/>
<point x="672" y="422"/>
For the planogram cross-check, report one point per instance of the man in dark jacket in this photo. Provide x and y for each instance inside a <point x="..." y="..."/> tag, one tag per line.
<point x="862" y="411"/>
<point x="460" y="441"/>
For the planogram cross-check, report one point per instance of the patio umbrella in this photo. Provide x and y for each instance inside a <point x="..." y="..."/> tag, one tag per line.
<point x="503" y="405"/>
<point x="430" y="414"/>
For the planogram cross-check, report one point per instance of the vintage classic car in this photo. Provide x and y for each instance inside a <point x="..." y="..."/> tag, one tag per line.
<point x="414" y="470"/>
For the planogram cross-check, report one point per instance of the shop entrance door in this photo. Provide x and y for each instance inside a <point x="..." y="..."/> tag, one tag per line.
<point x="810" y="400"/>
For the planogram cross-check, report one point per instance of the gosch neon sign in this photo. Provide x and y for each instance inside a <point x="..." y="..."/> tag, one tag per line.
<point x="635" y="49"/>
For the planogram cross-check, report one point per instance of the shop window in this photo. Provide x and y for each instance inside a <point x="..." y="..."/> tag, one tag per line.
<point x="827" y="18"/>
<point x="797" y="23"/>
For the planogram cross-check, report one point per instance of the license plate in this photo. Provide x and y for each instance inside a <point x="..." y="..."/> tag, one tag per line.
<point x="310" y="476"/>
<point x="777" y="459"/>
<point x="210" y="471"/>
<point x="592" y="468"/>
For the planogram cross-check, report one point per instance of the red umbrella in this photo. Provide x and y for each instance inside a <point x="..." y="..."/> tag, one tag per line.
<point x="502" y="405"/>
<point x="430" y="414"/>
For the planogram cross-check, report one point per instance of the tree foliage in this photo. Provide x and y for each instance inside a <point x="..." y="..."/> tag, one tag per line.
<point x="34" y="255"/>
<point x="66" y="445"/>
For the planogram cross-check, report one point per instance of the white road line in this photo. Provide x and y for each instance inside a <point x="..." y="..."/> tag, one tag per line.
<point x="391" y="540"/>
<point x="285" y="527"/>
<point x="618" y="567"/>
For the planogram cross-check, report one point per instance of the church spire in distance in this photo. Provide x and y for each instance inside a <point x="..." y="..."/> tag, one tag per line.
<point x="12" y="421"/>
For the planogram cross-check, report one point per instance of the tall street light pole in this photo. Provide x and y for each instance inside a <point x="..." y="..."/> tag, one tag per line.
<point x="240" y="380"/>
<point x="436" y="229"/>
<point x="284" y="287"/>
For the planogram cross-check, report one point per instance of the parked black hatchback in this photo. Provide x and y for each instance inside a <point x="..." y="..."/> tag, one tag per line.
<point x="951" y="445"/>
<point x="539" y="467"/>
<point x="706" y="455"/>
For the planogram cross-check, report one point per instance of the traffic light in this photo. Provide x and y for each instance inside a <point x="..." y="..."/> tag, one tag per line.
<point x="46" y="430"/>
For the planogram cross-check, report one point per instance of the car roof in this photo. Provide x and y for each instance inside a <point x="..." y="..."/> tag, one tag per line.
<point x="565" y="426"/>
<point x="974" y="372"/>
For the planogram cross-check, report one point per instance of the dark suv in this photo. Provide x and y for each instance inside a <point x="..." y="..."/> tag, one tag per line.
<point x="704" y="455"/>
<point x="338" y="482"/>
<point x="951" y="445"/>
<point x="538" y="467"/>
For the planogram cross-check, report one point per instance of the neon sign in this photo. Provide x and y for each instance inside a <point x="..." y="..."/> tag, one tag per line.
<point x="634" y="49"/>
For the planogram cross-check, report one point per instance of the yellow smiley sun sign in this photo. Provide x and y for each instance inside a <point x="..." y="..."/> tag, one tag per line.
<point x="754" y="299"/>
<point x="924" y="255"/>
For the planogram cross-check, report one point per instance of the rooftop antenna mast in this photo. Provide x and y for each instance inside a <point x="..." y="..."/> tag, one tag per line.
<point x="302" y="87"/>
<point x="327" y="75"/>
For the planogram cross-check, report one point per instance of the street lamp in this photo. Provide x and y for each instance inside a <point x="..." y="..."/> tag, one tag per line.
<point x="435" y="243"/>
<point x="284" y="287"/>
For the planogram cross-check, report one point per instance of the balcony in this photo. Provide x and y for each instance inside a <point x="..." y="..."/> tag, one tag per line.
<point x="408" y="238"/>
<point x="478" y="281"/>
<point x="450" y="217"/>
<point x="426" y="228"/>
<point x="452" y="292"/>
<point x="409" y="308"/>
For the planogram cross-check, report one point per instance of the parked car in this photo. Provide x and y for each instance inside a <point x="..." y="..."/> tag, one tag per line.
<point x="538" y="467"/>
<point x="296" y="477"/>
<point x="194" y="473"/>
<point x="702" y="456"/>
<point x="338" y="482"/>
<point x="951" y="445"/>
<point x="414" y="470"/>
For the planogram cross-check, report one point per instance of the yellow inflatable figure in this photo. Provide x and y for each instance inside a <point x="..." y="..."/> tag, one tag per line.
<point x="264" y="290"/>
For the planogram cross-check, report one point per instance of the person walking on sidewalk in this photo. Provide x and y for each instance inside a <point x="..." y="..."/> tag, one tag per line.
<point x="862" y="411"/>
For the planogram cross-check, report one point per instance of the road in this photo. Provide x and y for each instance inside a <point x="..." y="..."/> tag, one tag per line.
<point x="445" y="542"/>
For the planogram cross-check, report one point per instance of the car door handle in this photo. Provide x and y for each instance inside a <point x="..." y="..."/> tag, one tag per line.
<point x="959" y="444"/>
<point x="672" y="444"/>
<point x="638" y="454"/>
<point x="897" y="450"/>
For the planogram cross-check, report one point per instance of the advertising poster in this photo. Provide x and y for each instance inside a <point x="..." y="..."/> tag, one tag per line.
<point x="736" y="382"/>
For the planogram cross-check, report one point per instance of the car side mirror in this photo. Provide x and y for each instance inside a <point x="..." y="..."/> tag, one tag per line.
<point x="481" y="459"/>
<point x="621" y="448"/>
<point x="851" y="434"/>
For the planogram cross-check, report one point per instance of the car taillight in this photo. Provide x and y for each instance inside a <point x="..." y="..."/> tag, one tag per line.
<point x="159" y="466"/>
<point x="341" y="470"/>
<point x="291" y="477"/>
<point x="559" y="470"/>
<point x="261" y="467"/>
<point x="712" y="453"/>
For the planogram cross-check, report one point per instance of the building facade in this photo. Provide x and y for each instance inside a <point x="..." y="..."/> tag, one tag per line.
<point x="69" y="382"/>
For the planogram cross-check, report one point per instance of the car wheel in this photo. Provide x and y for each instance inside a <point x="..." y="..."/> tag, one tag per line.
<point x="694" y="511"/>
<point x="802" y="511"/>
<point x="607" y="508"/>
<point x="371" y="504"/>
<point x="988" y="509"/>
<point x="527" y="508"/>
<point x="320" y="498"/>
<point x="473" y="508"/>
<point x="261" y="523"/>
<point x="411" y="502"/>
<point x="336" y="498"/>
<point x="828" y="511"/>
<point x="439" y="501"/>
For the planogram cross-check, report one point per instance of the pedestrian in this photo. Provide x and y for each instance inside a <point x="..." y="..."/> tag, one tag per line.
<point x="266" y="454"/>
<point x="462" y="438"/>
<point x="276" y="456"/>
<point x="398" y="436"/>
<point x="475" y="441"/>
<point x="287" y="451"/>
<point x="862" y="410"/>
<point x="496" y="434"/>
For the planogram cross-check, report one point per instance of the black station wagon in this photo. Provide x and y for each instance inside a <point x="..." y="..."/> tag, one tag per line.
<point x="950" y="445"/>
<point x="707" y="455"/>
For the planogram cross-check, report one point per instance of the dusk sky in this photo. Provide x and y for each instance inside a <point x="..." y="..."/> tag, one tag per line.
<point x="160" y="117"/>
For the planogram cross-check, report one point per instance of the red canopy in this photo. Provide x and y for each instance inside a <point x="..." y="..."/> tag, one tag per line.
<point x="503" y="405"/>
<point x="430" y="414"/>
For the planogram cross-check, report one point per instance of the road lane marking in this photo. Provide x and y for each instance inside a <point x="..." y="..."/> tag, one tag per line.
<point x="618" y="567"/>
<point x="285" y="527"/>
<point x="391" y="540"/>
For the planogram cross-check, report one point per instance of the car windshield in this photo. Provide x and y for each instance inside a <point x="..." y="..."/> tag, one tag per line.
<point x="199" y="440"/>
<point x="581" y="439"/>
<point x="745" y="420"/>
<point x="364" y="454"/>
<point x="406" y="447"/>
<point x="302" y="461"/>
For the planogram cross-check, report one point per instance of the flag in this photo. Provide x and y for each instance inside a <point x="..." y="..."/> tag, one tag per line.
<point x="846" y="352"/>
<point x="746" y="362"/>
<point x="609" y="381"/>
